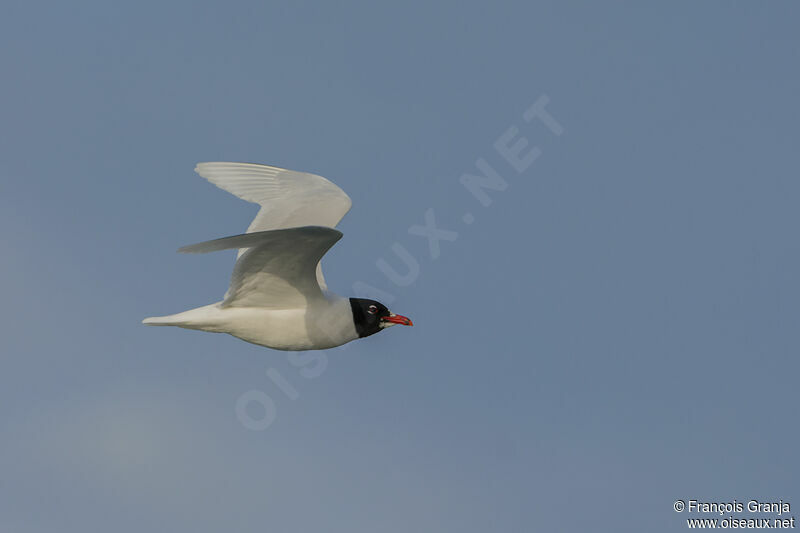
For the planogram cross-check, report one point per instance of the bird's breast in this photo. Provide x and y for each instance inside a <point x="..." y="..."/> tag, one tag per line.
<point x="325" y="324"/>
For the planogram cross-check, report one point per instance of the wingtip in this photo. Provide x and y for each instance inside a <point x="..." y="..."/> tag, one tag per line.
<point x="203" y="166"/>
<point x="188" y="249"/>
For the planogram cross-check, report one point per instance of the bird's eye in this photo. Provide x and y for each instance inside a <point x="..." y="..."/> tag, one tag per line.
<point x="372" y="309"/>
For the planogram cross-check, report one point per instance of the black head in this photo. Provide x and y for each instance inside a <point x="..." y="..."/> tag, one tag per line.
<point x="370" y="317"/>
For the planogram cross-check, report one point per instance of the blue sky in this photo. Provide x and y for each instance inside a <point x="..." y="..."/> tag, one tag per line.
<point x="615" y="331"/>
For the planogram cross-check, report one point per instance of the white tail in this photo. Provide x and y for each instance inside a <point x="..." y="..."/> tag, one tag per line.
<point x="205" y="318"/>
<point x="160" y="321"/>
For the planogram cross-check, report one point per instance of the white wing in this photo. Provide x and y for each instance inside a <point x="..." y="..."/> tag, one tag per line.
<point x="277" y="270"/>
<point x="288" y="199"/>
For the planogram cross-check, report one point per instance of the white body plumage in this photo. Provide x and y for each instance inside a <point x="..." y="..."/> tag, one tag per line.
<point x="327" y="324"/>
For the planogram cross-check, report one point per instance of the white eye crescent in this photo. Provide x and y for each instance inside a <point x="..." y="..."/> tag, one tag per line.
<point x="372" y="309"/>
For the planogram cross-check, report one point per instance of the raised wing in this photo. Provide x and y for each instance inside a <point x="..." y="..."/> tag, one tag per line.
<point x="287" y="198"/>
<point x="277" y="270"/>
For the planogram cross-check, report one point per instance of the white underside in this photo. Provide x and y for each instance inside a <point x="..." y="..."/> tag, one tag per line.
<point x="325" y="323"/>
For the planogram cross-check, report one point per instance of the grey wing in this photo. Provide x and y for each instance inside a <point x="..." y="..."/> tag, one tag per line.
<point x="287" y="198"/>
<point x="278" y="268"/>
